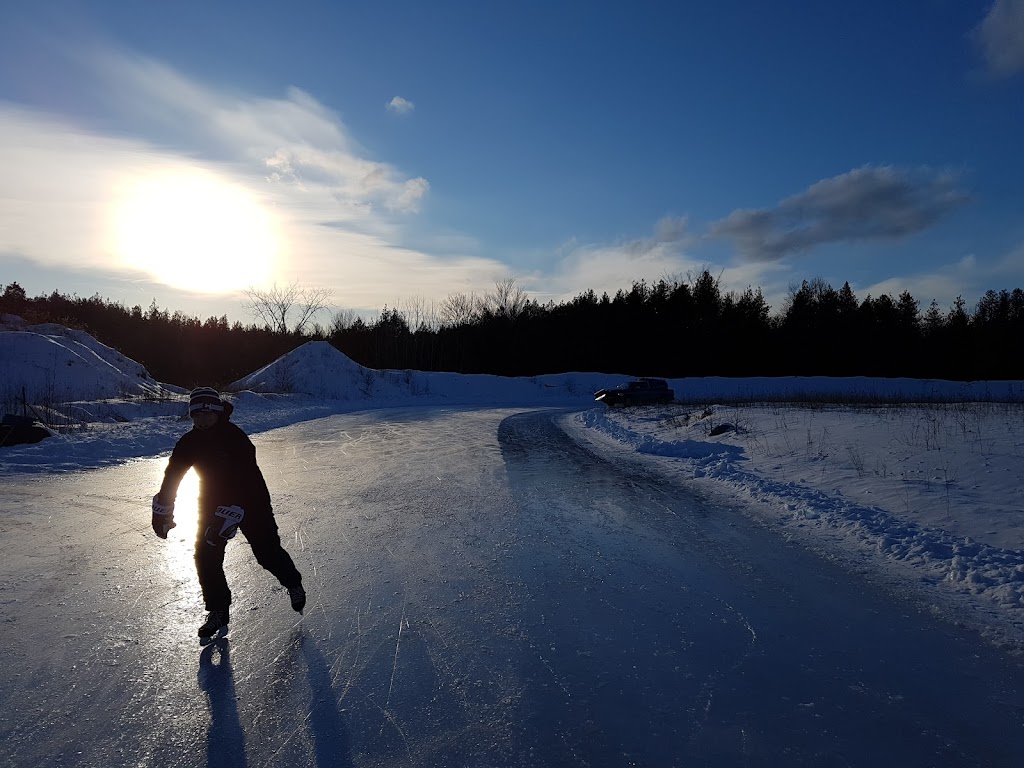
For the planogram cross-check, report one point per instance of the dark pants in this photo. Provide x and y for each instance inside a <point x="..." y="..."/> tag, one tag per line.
<point x="260" y="530"/>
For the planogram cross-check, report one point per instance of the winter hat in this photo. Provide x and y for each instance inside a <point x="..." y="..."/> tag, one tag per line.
<point x="204" y="399"/>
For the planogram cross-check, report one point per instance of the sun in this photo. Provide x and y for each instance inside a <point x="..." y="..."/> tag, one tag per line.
<point x="191" y="229"/>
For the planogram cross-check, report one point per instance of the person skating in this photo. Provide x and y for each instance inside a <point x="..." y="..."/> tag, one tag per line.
<point x="233" y="496"/>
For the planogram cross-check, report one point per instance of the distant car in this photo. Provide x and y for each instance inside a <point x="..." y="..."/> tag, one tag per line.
<point x="639" y="392"/>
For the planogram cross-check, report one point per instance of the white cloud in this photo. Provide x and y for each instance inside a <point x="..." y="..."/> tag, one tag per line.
<point x="294" y="140"/>
<point x="1001" y="37"/>
<point x="401" y="106"/>
<point x="415" y="190"/>
<point x="867" y="203"/>
<point x="58" y="185"/>
<point x="773" y="278"/>
<point x="341" y="215"/>
<point x="968" y="277"/>
<point x="1012" y="264"/>
<point x="608" y="267"/>
<point x="941" y="286"/>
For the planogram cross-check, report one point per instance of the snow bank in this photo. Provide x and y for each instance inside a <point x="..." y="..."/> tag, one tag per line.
<point x="933" y="488"/>
<point x="716" y="389"/>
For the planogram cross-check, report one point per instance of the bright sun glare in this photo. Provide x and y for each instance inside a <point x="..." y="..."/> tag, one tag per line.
<point x="186" y="515"/>
<point x="192" y="230"/>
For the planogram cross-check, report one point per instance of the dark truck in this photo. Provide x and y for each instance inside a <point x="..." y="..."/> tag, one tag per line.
<point x="639" y="392"/>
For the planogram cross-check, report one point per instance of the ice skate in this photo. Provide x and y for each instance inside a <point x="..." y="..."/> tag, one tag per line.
<point x="298" y="597"/>
<point x="215" y="621"/>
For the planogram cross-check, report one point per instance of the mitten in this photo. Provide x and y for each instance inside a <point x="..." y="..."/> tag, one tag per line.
<point x="163" y="517"/>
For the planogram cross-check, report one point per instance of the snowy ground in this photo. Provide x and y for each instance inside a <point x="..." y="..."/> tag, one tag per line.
<point x="923" y="491"/>
<point x="928" y="494"/>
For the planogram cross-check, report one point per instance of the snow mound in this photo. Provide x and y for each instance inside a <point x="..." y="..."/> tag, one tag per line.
<point x="318" y="369"/>
<point x="51" y="363"/>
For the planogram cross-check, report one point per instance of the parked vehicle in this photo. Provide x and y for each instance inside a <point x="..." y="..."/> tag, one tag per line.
<point x="643" y="391"/>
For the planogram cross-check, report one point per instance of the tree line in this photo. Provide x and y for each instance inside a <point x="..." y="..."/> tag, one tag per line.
<point x="671" y="328"/>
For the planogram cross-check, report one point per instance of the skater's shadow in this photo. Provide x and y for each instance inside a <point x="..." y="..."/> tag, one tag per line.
<point x="225" y="744"/>
<point x="327" y="728"/>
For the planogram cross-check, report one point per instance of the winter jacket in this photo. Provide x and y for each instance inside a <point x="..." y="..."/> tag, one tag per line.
<point x="225" y="460"/>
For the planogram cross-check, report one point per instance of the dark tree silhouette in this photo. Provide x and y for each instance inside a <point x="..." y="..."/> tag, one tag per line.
<point x="670" y="328"/>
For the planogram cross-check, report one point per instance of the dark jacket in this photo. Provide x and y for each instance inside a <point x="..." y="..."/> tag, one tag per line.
<point x="225" y="460"/>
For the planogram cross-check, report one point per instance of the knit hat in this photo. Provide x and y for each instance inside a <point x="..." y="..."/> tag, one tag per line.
<point x="204" y="399"/>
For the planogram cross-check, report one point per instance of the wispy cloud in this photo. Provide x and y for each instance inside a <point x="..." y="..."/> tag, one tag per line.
<point x="294" y="139"/>
<point x="57" y="187"/>
<point x="341" y="215"/>
<point x="401" y="106"/>
<point x="968" y="276"/>
<point x="868" y="203"/>
<point x="1001" y="37"/>
<point x="609" y="267"/>
<point x="943" y="284"/>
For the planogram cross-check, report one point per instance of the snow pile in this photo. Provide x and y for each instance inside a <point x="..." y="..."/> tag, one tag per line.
<point x="318" y="370"/>
<point x="53" y="364"/>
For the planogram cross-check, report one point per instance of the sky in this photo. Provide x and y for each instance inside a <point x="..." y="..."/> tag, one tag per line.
<point x="396" y="153"/>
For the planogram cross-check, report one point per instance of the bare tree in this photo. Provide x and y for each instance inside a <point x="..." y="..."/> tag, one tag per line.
<point x="420" y="314"/>
<point x="343" y="320"/>
<point x="459" y="309"/>
<point x="275" y="307"/>
<point x="507" y="299"/>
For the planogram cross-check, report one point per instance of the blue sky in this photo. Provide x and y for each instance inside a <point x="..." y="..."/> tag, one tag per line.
<point x="400" y="152"/>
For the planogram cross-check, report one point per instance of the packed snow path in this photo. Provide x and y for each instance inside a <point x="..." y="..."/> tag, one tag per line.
<point x="483" y="592"/>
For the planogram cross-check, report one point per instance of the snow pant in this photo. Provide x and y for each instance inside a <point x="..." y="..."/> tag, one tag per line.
<point x="260" y="530"/>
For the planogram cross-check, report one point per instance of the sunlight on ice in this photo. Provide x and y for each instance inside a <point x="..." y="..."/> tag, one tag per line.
<point x="186" y="515"/>
<point x="193" y="230"/>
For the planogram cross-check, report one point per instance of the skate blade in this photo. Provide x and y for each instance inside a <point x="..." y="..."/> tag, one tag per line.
<point x="215" y="636"/>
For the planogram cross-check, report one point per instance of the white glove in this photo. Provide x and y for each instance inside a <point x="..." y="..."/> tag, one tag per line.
<point x="231" y="517"/>
<point x="162" y="509"/>
<point x="163" y="517"/>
